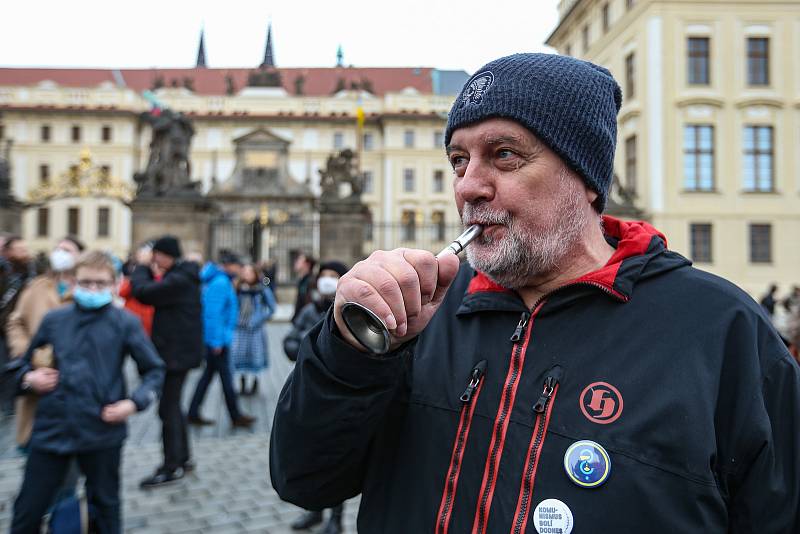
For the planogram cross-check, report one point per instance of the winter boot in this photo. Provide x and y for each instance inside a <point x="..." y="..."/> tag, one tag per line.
<point x="307" y="520"/>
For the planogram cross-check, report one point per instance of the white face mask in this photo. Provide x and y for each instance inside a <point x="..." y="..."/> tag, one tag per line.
<point x="61" y="260"/>
<point x="326" y="285"/>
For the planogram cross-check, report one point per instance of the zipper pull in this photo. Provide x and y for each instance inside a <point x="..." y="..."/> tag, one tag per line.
<point x="523" y="322"/>
<point x="475" y="377"/>
<point x="549" y="386"/>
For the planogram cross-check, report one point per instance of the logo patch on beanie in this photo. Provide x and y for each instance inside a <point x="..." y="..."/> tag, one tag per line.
<point x="477" y="86"/>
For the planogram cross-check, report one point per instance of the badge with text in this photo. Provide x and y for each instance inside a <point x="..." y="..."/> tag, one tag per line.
<point x="601" y="403"/>
<point x="552" y="516"/>
<point x="587" y="464"/>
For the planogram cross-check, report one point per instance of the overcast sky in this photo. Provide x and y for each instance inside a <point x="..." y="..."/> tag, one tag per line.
<point x="461" y="34"/>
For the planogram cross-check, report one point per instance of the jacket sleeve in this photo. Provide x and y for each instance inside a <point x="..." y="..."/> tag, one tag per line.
<point x="214" y="297"/>
<point x="40" y="338"/>
<point x="267" y="309"/>
<point x="148" y="362"/>
<point x="765" y="496"/>
<point x="168" y="290"/>
<point x="17" y="330"/>
<point x="232" y="309"/>
<point x="328" y="413"/>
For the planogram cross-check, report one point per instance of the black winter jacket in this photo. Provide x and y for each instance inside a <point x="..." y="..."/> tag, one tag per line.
<point x="178" y="320"/>
<point x="89" y="347"/>
<point x="677" y="373"/>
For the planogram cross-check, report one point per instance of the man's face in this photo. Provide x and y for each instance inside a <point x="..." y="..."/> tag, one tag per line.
<point x="163" y="261"/>
<point x="533" y="208"/>
<point x="301" y="264"/>
<point x="69" y="247"/>
<point x="18" y="251"/>
<point x="233" y="269"/>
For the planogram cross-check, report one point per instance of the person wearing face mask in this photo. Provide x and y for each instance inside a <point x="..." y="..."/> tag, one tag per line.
<point x="45" y="293"/>
<point x="322" y="298"/>
<point x="250" y="349"/>
<point x="83" y="400"/>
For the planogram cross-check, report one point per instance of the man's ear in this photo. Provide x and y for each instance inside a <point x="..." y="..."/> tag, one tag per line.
<point x="591" y="195"/>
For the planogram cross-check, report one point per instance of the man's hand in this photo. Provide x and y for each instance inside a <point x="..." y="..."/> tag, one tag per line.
<point x="118" y="412"/>
<point x="42" y="380"/>
<point x="144" y="256"/>
<point x="404" y="287"/>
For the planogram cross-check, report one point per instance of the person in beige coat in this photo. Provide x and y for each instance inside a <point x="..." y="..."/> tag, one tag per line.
<point x="44" y="293"/>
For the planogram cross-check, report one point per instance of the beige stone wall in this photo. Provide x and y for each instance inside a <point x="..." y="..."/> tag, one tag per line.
<point x="664" y="102"/>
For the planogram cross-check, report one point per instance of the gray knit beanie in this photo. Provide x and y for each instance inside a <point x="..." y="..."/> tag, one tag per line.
<point x="569" y="104"/>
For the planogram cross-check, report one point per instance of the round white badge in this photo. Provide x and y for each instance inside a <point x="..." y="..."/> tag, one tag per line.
<point x="552" y="516"/>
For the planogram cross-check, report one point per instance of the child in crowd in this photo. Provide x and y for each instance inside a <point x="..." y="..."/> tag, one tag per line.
<point x="83" y="402"/>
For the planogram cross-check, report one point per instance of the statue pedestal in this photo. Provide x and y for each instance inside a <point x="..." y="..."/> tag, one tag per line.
<point x="342" y="228"/>
<point x="187" y="218"/>
<point x="10" y="215"/>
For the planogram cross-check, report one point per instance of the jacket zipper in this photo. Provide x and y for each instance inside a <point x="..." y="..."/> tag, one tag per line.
<point x="501" y="421"/>
<point x="543" y="408"/>
<point x="468" y="401"/>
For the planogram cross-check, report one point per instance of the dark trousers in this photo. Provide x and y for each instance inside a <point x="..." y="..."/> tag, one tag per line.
<point x="173" y="422"/>
<point x="216" y="363"/>
<point x="44" y="474"/>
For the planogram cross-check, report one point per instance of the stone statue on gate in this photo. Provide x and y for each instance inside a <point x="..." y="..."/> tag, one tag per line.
<point x="168" y="171"/>
<point x="341" y="169"/>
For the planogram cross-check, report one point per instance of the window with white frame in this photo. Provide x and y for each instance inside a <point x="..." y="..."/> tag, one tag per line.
<point x="758" y="158"/>
<point x="698" y="157"/>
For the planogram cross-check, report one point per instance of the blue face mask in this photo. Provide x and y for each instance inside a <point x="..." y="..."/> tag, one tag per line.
<point x="62" y="287"/>
<point x="91" y="300"/>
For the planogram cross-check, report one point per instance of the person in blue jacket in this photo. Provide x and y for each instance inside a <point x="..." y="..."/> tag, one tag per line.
<point x="220" y="317"/>
<point x="83" y="401"/>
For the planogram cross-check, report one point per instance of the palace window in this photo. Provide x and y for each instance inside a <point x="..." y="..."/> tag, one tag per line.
<point x="44" y="133"/>
<point x="758" y="61"/>
<point x="630" y="164"/>
<point x="369" y="182"/>
<point x="44" y="174"/>
<point x="368" y="141"/>
<point x="438" y="181"/>
<point x="409" y="225"/>
<point x="698" y="157"/>
<point x="338" y="140"/>
<point x="760" y="243"/>
<point x="74" y="221"/>
<point x="408" y="139"/>
<point x="585" y="38"/>
<point x="630" y="75"/>
<point x="438" y="139"/>
<point x="698" y="61"/>
<point x="408" y="181"/>
<point x="76" y="134"/>
<point x="42" y="222"/>
<point x="439" y="230"/>
<point x="105" y="134"/>
<point x="606" y="18"/>
<point x="758" y="158"/>
<point x="700" y="242"/>
<point x="103" y="222"/>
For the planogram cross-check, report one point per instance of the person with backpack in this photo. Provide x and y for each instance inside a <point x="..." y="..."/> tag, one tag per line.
<point x="250" y="349"/>
<point x="83" y="401"/>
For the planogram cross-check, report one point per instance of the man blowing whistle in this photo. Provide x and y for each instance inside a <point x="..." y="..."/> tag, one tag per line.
<point x="576" y="374"/>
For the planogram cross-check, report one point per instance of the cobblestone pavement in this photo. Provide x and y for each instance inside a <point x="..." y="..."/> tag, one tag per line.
<point x="230" y="490"/>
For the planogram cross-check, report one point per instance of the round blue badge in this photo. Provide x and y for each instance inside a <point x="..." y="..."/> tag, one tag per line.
<point x="587" y="464"/>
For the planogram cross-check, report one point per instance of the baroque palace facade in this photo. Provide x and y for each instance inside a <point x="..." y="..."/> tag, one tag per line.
<point x="69" y="124"/>
<point x="709" y="130"/>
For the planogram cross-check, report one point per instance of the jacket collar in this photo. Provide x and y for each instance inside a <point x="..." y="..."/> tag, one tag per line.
<point x="636" y="243"/>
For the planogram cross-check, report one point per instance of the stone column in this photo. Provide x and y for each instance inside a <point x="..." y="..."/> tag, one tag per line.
<point x="342" y="228"/>
<point x="188" y="219"/>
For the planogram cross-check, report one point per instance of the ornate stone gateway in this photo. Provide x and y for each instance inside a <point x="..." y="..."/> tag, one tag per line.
<point x="10" y="209"/>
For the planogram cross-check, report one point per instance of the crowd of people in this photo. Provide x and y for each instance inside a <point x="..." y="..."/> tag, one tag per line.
<point x="64" y="338"/>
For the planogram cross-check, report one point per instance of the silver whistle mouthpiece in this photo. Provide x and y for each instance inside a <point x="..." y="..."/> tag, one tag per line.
<point x="368" y="328"/>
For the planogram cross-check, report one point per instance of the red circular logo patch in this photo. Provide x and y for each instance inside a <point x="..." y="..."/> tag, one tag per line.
<point x="601" y="403"/>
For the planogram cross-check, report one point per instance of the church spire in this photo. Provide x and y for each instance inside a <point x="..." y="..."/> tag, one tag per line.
<point x="269" y="60"/>
<point x="339" y="57"/>
<point x="201" y="51"/>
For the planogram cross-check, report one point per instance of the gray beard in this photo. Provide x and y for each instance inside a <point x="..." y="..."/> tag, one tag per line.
<point x="524" y="253"/>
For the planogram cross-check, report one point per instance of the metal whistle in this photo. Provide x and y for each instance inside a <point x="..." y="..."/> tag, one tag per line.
<point x="368" y="328"/>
